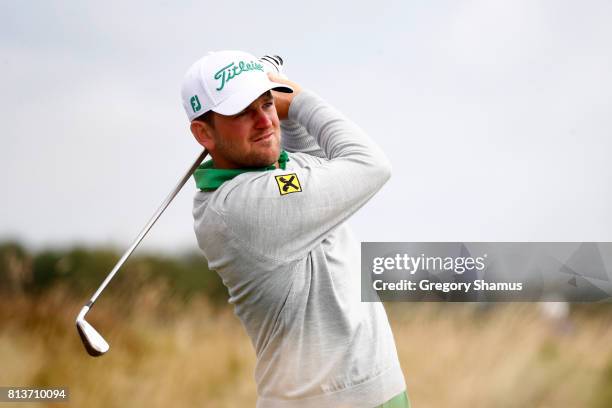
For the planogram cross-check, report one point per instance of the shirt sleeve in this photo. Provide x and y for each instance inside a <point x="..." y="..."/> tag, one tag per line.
<point x="284" y="224"/>
<point x="296" y="139"/>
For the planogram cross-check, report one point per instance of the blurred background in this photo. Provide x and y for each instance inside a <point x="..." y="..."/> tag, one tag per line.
<point x="496" y="118"/>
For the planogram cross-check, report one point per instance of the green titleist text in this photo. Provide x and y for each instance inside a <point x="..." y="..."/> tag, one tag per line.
<point x="232" y="70"/>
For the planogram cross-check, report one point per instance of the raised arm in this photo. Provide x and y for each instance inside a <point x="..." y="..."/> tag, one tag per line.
<point x="286" y="226"/>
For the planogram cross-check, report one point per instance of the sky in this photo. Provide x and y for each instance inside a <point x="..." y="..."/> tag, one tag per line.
<point x="495" y="115"/>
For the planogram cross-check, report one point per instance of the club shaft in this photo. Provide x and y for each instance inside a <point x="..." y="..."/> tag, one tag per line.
<point x="147" y="227"/>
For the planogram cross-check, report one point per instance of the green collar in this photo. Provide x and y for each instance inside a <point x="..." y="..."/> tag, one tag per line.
<point x="208" y="178"/>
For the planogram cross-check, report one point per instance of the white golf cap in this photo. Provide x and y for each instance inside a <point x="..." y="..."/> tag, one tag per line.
<point x="225" y="82"/>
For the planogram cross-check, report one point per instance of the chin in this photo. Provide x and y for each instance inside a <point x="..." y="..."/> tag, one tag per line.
<point x="272" y="159"/>
<point x="263" y="159"/>
<point x="270" y="156"/>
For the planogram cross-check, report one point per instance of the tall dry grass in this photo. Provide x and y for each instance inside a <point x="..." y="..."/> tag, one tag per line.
<point x="506" y="356"/>
<point x="161" y="355"/>
<point x="196" y="355"/>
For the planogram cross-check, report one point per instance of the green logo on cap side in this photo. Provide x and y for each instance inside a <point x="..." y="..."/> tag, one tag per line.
<point x="195" y="103"/>
<point x="232" y="70"/>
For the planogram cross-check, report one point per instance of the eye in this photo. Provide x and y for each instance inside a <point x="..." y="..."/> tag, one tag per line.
<point x="268" y="105"/>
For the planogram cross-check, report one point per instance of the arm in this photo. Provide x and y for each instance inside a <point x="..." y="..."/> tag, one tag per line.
<point x="286" y="227"/>
<point x="296" y="139"/>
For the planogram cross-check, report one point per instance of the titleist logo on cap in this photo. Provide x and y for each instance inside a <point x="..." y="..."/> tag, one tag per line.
<point x="228" y="72"/>
<point x="205" y="85"/>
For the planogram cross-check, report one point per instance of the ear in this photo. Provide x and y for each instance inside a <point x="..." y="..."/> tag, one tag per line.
<point x="203" y="134"/>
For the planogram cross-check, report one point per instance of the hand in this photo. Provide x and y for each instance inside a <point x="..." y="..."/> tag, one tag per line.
<point x="282" y="100"/>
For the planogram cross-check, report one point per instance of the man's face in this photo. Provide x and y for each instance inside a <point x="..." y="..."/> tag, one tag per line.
<point x="250" y="138"/>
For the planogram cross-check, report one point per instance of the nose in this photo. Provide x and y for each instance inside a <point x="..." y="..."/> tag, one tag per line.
<point x="262" y="119"/>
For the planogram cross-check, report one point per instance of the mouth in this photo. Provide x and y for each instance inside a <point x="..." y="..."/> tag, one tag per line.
<point x="264" y="138"/>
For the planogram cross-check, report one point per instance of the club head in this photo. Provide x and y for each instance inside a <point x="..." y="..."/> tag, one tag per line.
<point x="92" y="340"/>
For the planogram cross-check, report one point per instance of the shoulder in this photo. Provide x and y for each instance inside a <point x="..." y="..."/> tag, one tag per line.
<point x="238" y="197"/>
<point x="304" y="160"/>
<point x="247" y="188"/>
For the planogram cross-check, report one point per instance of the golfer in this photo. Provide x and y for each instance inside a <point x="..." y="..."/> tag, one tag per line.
<point x="271" y="222"/>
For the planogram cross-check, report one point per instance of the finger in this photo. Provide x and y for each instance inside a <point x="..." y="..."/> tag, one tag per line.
<point x="277" y="78"/>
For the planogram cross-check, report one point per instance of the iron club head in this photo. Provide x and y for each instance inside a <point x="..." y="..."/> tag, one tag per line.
<point x="92" y="340"/>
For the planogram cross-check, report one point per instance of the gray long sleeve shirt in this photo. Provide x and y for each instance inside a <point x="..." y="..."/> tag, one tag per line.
<point x="292" y="267"/>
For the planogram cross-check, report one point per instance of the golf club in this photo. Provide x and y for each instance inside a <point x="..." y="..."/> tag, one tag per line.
<point x="274" y="64"/>
<point x="92" y="340"/>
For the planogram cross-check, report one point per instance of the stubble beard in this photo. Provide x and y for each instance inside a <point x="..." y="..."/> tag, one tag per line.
<point x="261" y="157"/>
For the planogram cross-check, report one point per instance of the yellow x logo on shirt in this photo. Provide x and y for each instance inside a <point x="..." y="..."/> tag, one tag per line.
<point x="288" y="183"/>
